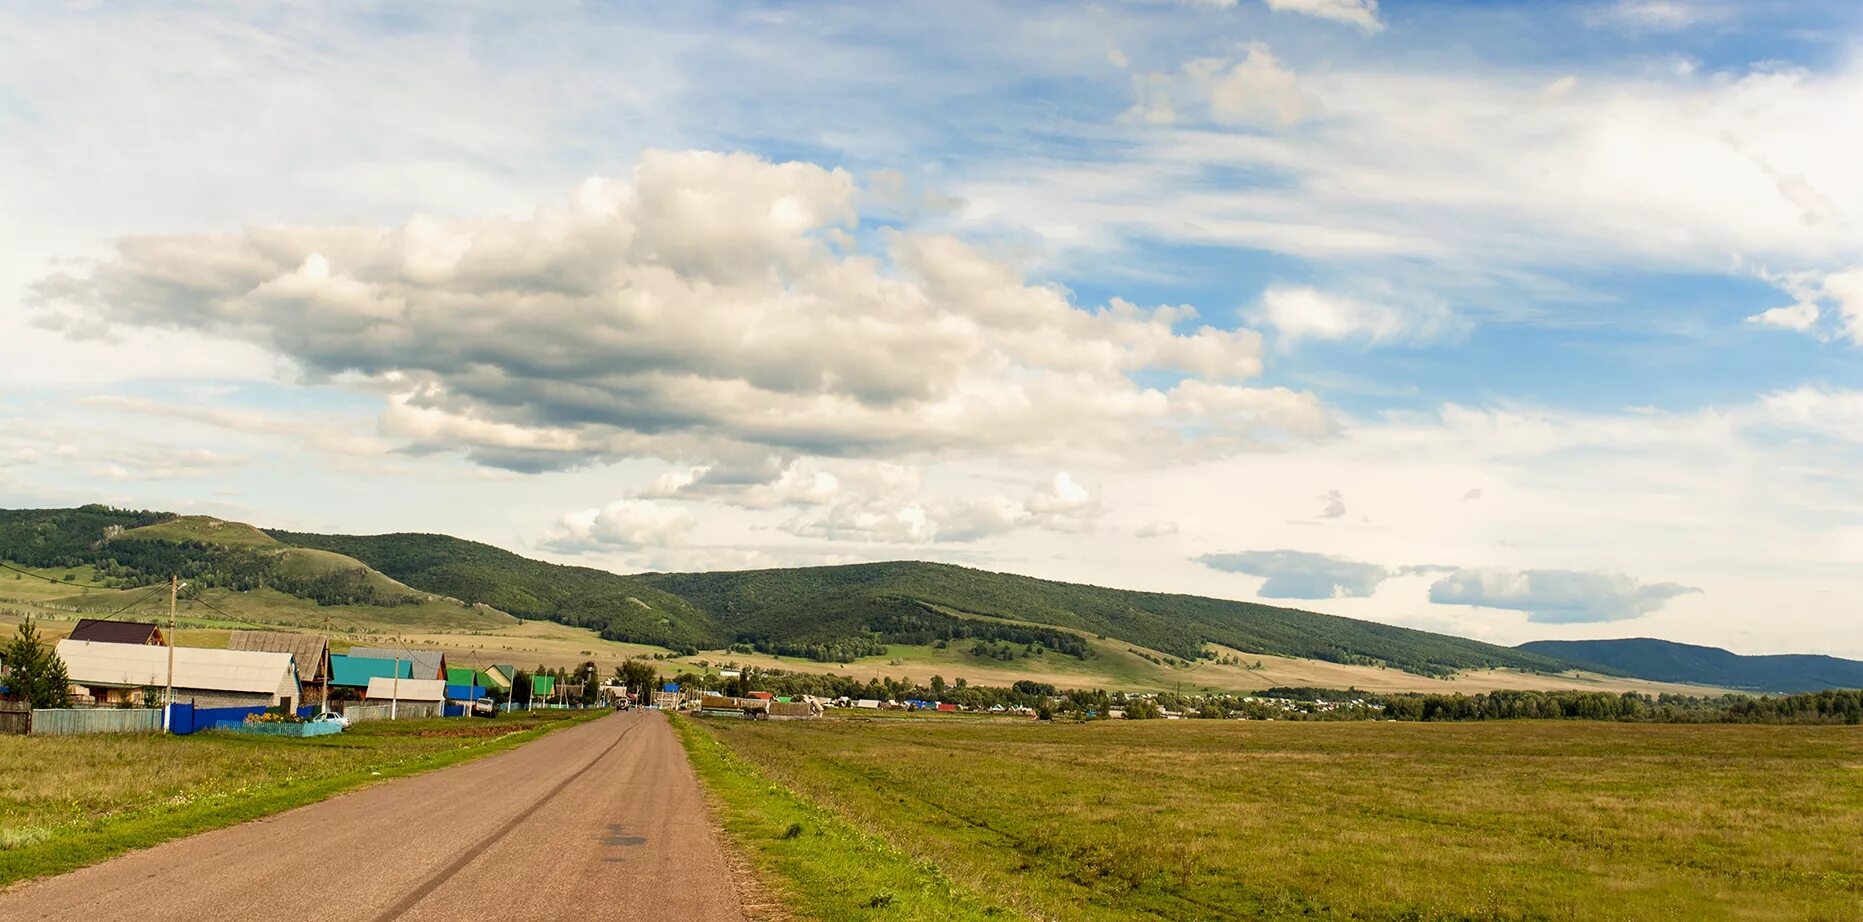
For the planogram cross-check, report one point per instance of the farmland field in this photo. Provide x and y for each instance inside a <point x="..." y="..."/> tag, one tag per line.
<point x="1214" y="820"/>
<point x="71" y="801"/>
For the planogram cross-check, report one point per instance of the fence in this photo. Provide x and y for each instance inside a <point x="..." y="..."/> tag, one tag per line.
<point x="186" y="718"/>
<point x="76" y="721"/>
<point x="406" y="710"/>
<point x="15" y="719"/>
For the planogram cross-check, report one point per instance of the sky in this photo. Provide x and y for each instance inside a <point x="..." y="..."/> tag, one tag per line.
<point x="1513" y="321"/>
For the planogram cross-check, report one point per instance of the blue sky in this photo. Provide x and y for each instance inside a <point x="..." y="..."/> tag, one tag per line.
<point x="1510" y="320"/>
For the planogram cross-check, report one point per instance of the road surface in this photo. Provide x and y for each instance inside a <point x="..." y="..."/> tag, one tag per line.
<point x="603" y="820"/>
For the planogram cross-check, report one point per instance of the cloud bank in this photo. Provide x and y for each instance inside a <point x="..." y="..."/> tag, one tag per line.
<point x="711" y="305"/>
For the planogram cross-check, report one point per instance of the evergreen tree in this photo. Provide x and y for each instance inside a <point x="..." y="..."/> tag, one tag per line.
<point x="34" y="672"/>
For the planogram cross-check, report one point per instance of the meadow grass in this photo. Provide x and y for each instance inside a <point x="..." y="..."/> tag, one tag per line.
<point x="66" y="802"/>
<point x="1278" y="820"/>
<point x="820" y="865"/>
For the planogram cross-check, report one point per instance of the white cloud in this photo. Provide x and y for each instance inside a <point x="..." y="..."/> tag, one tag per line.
<point x="1836" y="414"/>
<point x="766" y="484"/>
<point x="1155" y="530"/>
<point x="1335" y="506"/>
<point x="1556" y="596"/>
<point x="1817" y="295"/>
<point x="1479" y="177"/>
<point x="1659" y="15"/>
<point x="1299" y="313"/>
<point x="1301" y="574"/>
<point x="900" y="512"/>
<point x="693" y="311"/>
<point x="627" y="524"/>
<point x="1801" y="317"/>
<point x="1255" y="91"/>
<point x="1361" y="13"/>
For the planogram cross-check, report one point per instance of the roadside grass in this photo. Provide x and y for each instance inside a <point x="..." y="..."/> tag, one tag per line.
<point x="1373" y="821"/>
<point x="816" y="862"/>
<point x="66" y="802"/>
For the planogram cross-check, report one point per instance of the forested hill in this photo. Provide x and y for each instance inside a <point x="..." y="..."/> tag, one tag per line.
<point x="823" y="613"/>
<point x="1668" y="661"/>
<point x="837" y="613"/>
<point x="619" y="607"/>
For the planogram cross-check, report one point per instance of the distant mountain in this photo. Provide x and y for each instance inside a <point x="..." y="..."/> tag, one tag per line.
<point x="1668" y="661"/>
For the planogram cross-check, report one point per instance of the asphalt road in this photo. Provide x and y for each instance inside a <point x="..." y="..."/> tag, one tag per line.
<point x="600" y="821"/>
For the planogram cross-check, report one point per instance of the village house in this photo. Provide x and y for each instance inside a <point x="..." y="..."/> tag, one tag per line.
<point x="120" y="673"/>
<point x="427" y="664"/>
<point x="311" y="652"/>
<point x="99" y="630"/>
<point x="350" y="675"/>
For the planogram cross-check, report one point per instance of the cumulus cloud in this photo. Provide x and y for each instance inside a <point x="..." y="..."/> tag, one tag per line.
<point x="628" y="524"/>
<point x="1361" y="13"/>
<point x="693" y="311"/>
<point x="1299" y="313"/>
<point x="1155" y="530"/>
<point x="1301" y="574"/>
<point x="1556" y="596"/>
<point x="765" y="484"/>
<point x="1255" y="90"/>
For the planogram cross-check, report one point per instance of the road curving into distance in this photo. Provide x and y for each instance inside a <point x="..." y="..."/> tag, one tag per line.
<point x="599" y="821"/>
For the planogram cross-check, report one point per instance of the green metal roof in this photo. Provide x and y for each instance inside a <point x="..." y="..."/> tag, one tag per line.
<point x="356" y="671"/>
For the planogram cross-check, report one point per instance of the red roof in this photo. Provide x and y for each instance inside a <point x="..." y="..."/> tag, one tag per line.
<point x="764" y="696"/>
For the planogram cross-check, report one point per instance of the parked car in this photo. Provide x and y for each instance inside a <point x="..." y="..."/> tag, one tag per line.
<point x="331" y="717"/>
<point x="485" y="707"/>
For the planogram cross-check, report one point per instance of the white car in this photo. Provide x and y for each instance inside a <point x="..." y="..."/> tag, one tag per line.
<point x="331" y="717"/>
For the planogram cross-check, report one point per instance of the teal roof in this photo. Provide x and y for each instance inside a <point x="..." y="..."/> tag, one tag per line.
<point x="356" y="671"/>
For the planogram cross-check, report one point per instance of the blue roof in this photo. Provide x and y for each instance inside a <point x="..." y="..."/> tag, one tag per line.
<point x="670" y="687"/>
<point x="356" y="671"/>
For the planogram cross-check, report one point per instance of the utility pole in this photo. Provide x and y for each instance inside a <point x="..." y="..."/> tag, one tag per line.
<point x="168" y="699"/>
<point x="394" y="696"/>
<point x="324" y="667"/>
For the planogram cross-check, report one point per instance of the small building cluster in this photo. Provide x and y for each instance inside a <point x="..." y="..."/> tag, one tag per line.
<point x="117" y="665"/>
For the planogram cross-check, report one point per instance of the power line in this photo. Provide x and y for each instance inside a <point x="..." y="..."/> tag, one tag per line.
<point x="48" y="579"/>
<point x="153" y="590"/>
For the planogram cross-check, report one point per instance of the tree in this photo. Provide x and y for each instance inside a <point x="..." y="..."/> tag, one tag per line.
<point x="937" y="686"/>
<point x="640" y="677"/>
<point x="34" y="672"/>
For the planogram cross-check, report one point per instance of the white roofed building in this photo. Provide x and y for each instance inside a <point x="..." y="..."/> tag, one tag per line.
<point x="117" y="673"/>
<point x="383" y="689"/>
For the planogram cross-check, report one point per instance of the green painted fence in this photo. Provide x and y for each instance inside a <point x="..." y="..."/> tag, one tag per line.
<point x="79" y="721"/>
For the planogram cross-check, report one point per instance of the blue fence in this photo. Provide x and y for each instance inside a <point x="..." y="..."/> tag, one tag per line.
<point x="186" y="718"/>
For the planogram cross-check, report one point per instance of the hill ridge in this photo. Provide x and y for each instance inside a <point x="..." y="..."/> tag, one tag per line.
<point x="1674" y="661"/>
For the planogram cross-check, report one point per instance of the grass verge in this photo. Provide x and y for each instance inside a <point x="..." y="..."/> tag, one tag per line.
<point x="820" y="865"/>
<point x="1396" y="822"/>
<point x="67" y="802"/>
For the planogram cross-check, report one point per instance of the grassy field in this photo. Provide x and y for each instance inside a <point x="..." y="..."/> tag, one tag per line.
<point x="71" y="801"/>
<point x="1246" y="820"/>
<point x="822" y="866"/>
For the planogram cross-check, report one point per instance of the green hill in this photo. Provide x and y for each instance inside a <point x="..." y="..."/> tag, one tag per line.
<point x="1668" y="661"/>
<point x="618" y="607"/>
<point x="839" y="613"/>
<point x="822" y="613"/>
